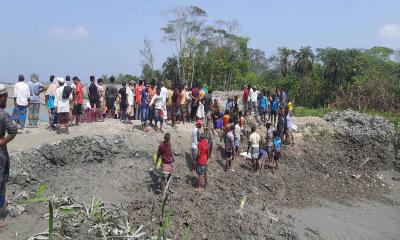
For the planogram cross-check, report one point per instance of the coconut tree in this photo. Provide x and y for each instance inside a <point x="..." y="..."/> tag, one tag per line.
<point x="303" y="66"/>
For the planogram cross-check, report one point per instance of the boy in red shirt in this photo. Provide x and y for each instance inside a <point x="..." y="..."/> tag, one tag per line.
<point x="165" y="153"/>
<point x="202" y="161"/>
<point x="78" y="100"/>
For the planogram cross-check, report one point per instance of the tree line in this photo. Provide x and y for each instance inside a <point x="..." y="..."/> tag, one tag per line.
<point x="216" y="55"/>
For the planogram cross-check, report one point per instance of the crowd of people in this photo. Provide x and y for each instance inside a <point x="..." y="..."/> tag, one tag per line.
<point x="155" y="104"/>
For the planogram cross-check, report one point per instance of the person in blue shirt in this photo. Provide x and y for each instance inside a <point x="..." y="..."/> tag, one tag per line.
<point x="277" y="149"/>
<point x="35" y="88"/>
<point x="263" y="106"/>
<point x="274" y="108"/>
<point x="144" y="107"/>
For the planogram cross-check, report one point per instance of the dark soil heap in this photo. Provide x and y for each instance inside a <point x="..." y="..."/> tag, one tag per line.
<point x="370" y="141"/>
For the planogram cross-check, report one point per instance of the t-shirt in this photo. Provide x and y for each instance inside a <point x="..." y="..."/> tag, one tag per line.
<point x="60" y="103"/>
<point x="157" y="101"/>
<point x="254" y="140"/>
<point x="182" y="97"/>
<point x="195" y="94"/>
<point x="78" y="97"/>
<point x="277" y="143"/>
<point x="226" y="120"/>
<point x="22" y="93"/>
<point x="289" y="123"/>
<point x="254" y="96"/>
<point x="165" y="152"/>
<point x="144" y="99"/>
<point x="245" y="94"/>
<point x="237" y="131"/>
<point x="164" y="94"/>
<point x="93" y="93"/>
<point x="290" y="106"/>
<point x="169" y="98"/>
<point x="219" y="123"/>
<point x="195" y="137"/>
<point x="129" y="93"/>
<point x="229" y="141"/>
<point x="111" y="91"/>
<point x="138" y="91"/>
<point x="264" y="102"/>
<point x="275" y="105"/>
<point x="34" y="88"/>
<point x="203" y="147"/>
<point x="122" y="93"/>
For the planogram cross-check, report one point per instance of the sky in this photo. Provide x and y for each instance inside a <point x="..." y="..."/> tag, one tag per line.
<point x="94" y="37"/>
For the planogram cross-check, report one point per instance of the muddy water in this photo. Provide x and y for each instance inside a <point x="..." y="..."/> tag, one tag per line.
<point x="362" y="220"/>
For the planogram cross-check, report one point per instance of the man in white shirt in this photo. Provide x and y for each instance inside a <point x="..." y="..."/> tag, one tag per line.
<point x="254" y="96"/>
<point x="61" y="102"/>
<point x="131" y="101"/>
<point x="195" y="142"/>
<point x="21" y="101"/>
<point x="164" y="94"/>
<point x="254" y="148"/>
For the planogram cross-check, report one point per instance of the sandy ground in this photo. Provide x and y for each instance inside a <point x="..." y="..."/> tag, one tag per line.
<point x="309" y="190"/>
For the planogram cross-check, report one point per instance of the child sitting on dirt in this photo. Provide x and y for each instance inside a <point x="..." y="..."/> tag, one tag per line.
<point x="277" y="148"/>
<point x="202" y="161"/>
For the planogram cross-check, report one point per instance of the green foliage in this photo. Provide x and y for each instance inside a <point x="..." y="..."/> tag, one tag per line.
<point x="186" y="233"/>
<point x="51" y="220"/>
<point x="310" y="112"/>
<point x="39" y="196"/>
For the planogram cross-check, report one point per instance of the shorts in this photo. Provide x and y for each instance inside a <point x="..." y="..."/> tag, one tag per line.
<point x="277" y="156"/>
<point x="195" y="151"/>
<point x="183" y="108"/>
<point x="255" y="152"/>
<point x="62" y="118"/>
<point x="228" y="154"/>
<point x="95" y="102"/>
<point x="166" y="169"/>
<point x="237" y="141"/>
<point x="263" y="154"/>
<point x="201" y="170"/>
<point x="110" y="103"/>
<point x="77" y="110"/>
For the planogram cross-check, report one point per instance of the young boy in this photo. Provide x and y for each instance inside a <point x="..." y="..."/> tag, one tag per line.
<point x="254" y="148"/>
<point x="288" y="128"/>
<point x="263" y="106"/>
<point x="165" y="153"/>
<point x="237" y="134"/>
<point x="274" y="109"/>
<point x="277" y="148"/>
<point x="202" y="161"/>
<point x="229" y="144"/>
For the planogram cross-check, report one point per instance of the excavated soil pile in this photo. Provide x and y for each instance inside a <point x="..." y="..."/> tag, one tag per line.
<point x="370" y="142"/>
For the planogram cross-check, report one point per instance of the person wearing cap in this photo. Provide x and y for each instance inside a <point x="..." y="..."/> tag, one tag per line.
<point x="61" y="102"/>
<point x="195" y="141"/>
<point x="202" y="161"/>
<point x="8" y="131"/>
<point x="35" y="88"/>
<point x="165" y="153"/>
<point x="49" y="98"/>
<point x="21" y="101"/>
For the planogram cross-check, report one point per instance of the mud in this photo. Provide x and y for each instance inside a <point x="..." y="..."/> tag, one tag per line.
<point x="324" y="165"/>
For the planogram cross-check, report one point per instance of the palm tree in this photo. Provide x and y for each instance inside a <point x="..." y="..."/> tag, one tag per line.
<point x="284" y="59"/>
<point x="304" y="61"/>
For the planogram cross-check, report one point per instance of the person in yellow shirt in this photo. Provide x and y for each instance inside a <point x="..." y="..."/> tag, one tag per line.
<point x="290" y="106"/>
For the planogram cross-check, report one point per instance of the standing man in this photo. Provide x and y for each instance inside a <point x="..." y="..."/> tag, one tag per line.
<point x="195" y="142"/>
<point x="144" y="108"/>
<point x="138" y="94"/>
<point x="165" y="153"/>
<point x="202" y="161"/>
<point x="283" y="98"/>
<point x="35" y="88"/>
<point x="123" y="102"/>
<point x="254" y="148"/>
<point x="102" y="95"/>
<point x="164" y="94"/>
<point x="195" y="101"/>
<point x="61" y="102"/>
<point x="152" y="92"/>
<point x="21" y="101"/>
<point x="49" y="98"/>
<point x="131" y="100"/>
<point x="94" y="96"/>
<point x="245" y="99"/>
<point x="111" y="96"/>
<point x="8" y="127"/>
<point x="78" y="100"/>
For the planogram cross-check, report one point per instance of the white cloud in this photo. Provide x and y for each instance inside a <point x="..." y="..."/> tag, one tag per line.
<point x="390" y="31"/>
<point x="75" y="33"/>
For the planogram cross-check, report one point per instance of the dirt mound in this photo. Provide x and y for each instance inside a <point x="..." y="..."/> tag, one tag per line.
<point x="369" y="141"/>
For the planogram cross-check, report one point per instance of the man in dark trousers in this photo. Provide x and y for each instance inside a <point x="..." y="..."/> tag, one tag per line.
<point x="8" y="131"/>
